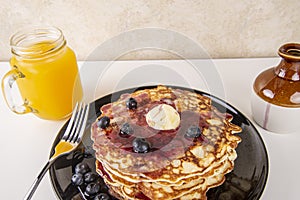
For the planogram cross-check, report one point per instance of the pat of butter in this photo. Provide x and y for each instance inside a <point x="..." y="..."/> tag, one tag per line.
<point x="163" y="117"/>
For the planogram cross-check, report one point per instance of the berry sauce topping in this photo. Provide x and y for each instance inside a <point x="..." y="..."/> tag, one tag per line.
<point x="133" y="133"/>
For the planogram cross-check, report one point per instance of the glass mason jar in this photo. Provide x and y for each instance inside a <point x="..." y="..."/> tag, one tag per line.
<point x="46" y="72"/>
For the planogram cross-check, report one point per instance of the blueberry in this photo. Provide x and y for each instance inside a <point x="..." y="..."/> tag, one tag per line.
<point x="193" y="132"/>
<point x="126" y="129"/>
<point x="82" y="168"/>
<point x="92" y="189"/>
<point x="102" y="196"/>
<point x="131" y="103"/>
<point x="140" y="145"/>
<point x="104" y="187"/>
<point x="77" y="179"/>
<point x="103" y="122"/>
<point x="90" y="177"/>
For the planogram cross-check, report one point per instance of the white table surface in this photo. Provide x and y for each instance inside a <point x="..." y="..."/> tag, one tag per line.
<point x="26" y="140"/>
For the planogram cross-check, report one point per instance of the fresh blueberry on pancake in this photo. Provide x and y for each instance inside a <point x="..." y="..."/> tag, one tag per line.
<point x="131" y="103"/>
<point x="193" y="132"/>
<point x="103" y="122"/>
<point x="126" y="129"/>
<point x="140" y="145"/>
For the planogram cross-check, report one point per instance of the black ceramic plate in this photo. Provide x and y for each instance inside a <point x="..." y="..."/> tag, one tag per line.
<point x="246" y="181"/>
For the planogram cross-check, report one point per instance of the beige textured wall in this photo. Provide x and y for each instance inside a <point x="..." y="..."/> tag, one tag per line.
<point x="224" y="28"/>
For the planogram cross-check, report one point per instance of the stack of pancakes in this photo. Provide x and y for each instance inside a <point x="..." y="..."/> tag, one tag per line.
<point x="177" y="166"/>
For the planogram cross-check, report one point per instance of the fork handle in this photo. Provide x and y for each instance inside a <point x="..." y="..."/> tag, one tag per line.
<point x="38" y="180"/>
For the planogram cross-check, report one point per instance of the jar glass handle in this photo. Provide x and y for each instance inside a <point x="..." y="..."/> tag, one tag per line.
<point x="7" y="88"/>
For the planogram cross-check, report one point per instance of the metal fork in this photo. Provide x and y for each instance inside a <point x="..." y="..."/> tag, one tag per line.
<point x="68" y="142"/>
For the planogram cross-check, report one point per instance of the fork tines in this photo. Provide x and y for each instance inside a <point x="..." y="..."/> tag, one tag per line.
<point x="78" y="119"/>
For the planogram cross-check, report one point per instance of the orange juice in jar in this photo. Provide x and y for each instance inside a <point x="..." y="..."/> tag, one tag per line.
<point x="46" y="72"/>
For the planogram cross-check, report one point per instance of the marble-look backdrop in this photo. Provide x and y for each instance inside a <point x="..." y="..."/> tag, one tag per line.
<point x="223" y="28"/>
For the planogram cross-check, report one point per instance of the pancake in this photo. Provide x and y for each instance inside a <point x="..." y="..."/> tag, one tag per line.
<point x="191" y="145"/>
<point x="155" y="190"/>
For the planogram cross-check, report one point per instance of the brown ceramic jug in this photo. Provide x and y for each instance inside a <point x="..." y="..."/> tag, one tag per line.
<point x="276" y="93"/>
